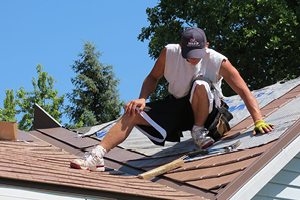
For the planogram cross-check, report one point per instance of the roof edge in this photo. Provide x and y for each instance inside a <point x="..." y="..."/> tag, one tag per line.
<point x="77" y="191"/>
<point x="42" y="119"/>
<point x="247" y="185"/>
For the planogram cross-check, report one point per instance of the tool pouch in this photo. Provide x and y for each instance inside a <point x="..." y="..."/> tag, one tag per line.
<point x="219" y="125"/>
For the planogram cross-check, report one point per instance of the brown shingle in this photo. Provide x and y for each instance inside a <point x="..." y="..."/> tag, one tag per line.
<point x="41" y="162"/>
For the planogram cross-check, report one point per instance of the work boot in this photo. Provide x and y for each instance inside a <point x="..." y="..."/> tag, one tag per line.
<point x="92" y="161"/>
<point x="201" y="138"/>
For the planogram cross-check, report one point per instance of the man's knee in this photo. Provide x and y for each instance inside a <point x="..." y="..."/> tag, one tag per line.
<point x="134" y="119"/>
<point x="201" y="94"/>
<point x="200" y="89"/>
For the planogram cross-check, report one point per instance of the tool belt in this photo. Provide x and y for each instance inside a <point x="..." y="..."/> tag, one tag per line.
<point x="219" y="122"/>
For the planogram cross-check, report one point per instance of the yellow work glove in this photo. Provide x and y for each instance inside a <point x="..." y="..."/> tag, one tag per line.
<point x="262" y="127"/>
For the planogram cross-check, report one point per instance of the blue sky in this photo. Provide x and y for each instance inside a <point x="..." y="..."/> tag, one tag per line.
<point x="52" y="33"/>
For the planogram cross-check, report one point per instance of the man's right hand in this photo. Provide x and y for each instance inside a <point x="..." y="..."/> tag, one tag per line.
<point x="135" y="106"/>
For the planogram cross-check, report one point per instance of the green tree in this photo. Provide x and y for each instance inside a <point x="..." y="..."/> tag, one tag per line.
<point x="9" y="112"/>
<point x="95" y="98"/>
<point x="43" y="94"/>
<point x="261" y="38"/>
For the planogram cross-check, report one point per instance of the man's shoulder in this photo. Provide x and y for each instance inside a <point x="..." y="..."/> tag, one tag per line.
<point x="215" y="54"/>
<point x="173" y="47"/>
<point x="212" y="51"/>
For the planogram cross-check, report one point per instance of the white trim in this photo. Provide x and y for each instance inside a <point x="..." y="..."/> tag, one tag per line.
<point x="8" y="192"/>
<point x="159" y="140"/>
<point x="155" y="125"/>
<point x="260" y="179"/>
<point x="48" y="115"/>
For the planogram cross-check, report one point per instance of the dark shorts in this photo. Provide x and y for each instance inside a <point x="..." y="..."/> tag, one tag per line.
<point x="174" y="116"/>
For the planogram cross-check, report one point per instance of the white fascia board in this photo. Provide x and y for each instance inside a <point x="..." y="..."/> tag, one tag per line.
<point x="261" y="178"/>
<point x="20" y="193"/>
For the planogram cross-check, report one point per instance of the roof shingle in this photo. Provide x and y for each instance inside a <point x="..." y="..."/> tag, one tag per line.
<point x="212" y="177"/>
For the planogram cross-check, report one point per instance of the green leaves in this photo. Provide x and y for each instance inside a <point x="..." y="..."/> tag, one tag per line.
<point x="9" y="112"/>
<point x="260" y="38"/>
<point x="43" y="94"/>
<point x="95" y="98"/>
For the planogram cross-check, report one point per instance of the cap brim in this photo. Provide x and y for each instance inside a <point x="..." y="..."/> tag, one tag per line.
<point x="193" y="53"/>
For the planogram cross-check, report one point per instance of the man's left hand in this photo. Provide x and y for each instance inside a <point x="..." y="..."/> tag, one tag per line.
<point x="262" y="127"/>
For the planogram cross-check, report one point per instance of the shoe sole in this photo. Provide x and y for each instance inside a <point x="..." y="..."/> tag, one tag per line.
<point x="208" y="144"/>
<point x="99" y="168"/>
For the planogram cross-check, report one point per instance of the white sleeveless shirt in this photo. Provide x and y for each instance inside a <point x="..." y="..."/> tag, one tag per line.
<point x="180" y="74"/>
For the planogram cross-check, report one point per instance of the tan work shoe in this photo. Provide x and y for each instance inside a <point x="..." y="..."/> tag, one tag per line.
<point x="90" y="162"/>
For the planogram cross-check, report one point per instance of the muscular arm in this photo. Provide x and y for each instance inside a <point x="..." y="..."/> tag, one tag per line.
<point x="149" y="84"/>
<point x="236" y="82"/>
<point x="153" y="77"/>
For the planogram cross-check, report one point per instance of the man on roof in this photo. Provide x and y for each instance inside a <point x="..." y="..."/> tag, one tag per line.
<point x="194" y="74"/>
